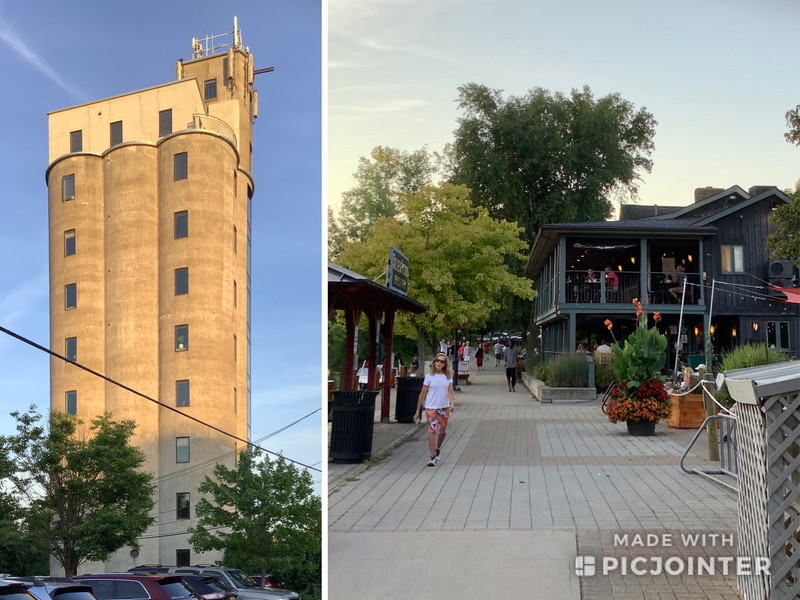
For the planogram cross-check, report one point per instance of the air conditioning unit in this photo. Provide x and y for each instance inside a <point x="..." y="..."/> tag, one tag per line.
<point x="780" y="269"/>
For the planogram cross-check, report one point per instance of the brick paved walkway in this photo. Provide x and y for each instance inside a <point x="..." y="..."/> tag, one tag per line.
<point x="511" y="463"/>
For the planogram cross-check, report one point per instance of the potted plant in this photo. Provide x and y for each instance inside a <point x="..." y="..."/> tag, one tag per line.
<point x="640" y="399"/>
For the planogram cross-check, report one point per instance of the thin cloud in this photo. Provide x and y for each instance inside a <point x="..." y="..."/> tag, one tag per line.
<point x="11" y="38"/>
<point x="386" y="107"/>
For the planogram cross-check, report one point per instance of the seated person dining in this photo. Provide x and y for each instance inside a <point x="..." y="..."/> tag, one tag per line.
<point x="676" y="282"/>
<point x="612" y="280"/>
<point x="591" y="286"/>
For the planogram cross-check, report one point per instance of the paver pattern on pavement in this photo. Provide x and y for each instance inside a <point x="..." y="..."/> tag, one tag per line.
<point x="511" y="464"/>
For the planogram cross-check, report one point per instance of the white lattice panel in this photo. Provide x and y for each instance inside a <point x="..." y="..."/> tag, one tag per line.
<point x="769" y="495"/>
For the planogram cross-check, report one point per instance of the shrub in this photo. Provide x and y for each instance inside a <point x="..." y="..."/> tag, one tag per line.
<point x="603" y="374"/>
<point x="648" y="401"/>
<point x="568" y="371"/>
<point x="747" y="355"/>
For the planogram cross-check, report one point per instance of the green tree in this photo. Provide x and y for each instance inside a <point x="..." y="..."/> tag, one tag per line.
<point x="785" y="242"/>
<point x="263" y="515"/>
<point x="381" y="182"/>
<point x="793" y="123"/>
<point x="82" y="490"/>
<point x="21" y="552"/>
<point x="544" y="157"/>
<point x="457" y="258"/>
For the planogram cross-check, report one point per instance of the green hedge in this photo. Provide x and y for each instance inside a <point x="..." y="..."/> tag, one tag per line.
<point x="748" y="355"/>
<point x="568" y="371"/>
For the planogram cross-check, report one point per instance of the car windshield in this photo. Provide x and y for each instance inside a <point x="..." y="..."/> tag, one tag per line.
<point x="240" y="579"/>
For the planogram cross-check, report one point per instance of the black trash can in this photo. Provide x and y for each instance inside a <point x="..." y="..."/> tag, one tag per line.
<point x="408" y="389"/>
<point x="351" y="429"/>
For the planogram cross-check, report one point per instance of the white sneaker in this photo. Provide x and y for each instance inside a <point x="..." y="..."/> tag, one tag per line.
<point x="432" y="461"/>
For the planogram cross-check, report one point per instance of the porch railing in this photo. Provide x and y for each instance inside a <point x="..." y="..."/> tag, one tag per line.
<point x="581" y="289"/>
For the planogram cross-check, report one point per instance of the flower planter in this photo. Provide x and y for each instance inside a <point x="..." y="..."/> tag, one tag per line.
<point x="688" y="412"/>
<point x="641" y="427"/>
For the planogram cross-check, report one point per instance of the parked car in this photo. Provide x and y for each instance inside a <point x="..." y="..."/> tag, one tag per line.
<point x="270" y="581"/>
<point x="209" y="587"/>
<point x="136" y="586"/>
<point x="56" y="588"/>
<point x="14" y="590"/>
<point x="246" y="587"/>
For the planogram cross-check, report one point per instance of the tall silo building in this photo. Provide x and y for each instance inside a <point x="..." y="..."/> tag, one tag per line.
<point x="150" y="197"/>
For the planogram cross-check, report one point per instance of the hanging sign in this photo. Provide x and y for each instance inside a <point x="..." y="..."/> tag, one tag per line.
<point x="398" y="271"/>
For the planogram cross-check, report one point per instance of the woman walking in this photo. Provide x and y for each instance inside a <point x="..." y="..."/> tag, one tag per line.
<point x="438" y="399"/>
<point x="479" y="358"/>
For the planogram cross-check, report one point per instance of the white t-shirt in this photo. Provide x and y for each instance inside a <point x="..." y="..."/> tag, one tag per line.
<point x="437" y="390"/>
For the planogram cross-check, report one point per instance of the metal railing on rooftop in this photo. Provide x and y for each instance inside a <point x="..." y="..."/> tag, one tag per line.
<point x="209" y="123"/>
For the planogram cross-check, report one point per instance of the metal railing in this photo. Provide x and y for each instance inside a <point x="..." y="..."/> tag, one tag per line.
<point x="209" y="123"/>
<point x="580" y="288"/>
<point x="728" y="451"/>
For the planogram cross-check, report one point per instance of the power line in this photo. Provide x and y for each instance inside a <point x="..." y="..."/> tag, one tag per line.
<point x="137" y="393"/>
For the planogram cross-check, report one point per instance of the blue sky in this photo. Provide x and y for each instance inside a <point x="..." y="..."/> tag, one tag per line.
<point x="718" y="75"/>
<point x="59" y="54"/>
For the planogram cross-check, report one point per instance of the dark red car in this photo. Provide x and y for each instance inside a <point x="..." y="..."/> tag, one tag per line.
<point x="129" y="586"/>
<point x="270" y="581"/>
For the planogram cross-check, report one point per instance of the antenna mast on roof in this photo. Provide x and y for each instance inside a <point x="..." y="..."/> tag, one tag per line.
<point x="211" y="44"/>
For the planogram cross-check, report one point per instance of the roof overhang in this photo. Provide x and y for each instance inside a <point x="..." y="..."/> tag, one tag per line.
<point x="346" y="286"/>
<point x="611" y="231"/>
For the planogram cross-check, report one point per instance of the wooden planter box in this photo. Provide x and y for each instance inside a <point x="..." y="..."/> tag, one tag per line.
<point x="688" y="412"/>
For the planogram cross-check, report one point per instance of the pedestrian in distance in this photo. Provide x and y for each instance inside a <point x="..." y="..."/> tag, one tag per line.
<point x="511" y="366"/>
<point x="466" y="352"/>
<point x="439" y="400"/>
<point x="498" y="353"/>
<point x="479" y="358"/>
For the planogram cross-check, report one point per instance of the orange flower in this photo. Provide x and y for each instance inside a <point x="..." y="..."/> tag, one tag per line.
<point x="657" y="317"/>
<point x="608" y="324"/>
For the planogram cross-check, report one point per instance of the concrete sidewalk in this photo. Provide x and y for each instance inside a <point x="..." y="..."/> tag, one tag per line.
<point x="522" y="490"/>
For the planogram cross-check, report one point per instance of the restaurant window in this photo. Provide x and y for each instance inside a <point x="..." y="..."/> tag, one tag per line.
<point x="778" y="335"/>
<point x="733" y="259"/>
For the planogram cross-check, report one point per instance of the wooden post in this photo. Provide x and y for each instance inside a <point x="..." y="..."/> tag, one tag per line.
<point x="711" y="409"/>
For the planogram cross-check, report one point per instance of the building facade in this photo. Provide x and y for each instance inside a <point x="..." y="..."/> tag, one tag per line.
<point x="589" y="272"/>
<point x="150" y="202"/>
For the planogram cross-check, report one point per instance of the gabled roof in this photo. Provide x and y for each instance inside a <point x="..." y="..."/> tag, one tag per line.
<point x="644" y="211"/>
<point x="732" y="195"/>
<point x="744" y="204"/>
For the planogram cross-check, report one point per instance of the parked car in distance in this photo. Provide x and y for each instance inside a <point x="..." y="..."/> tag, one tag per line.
<point x="209" y="587"/>
<point x="56" y="588"/>
<point x="246" y="587"/>
<point x="130" y="586"/>
<point x="270" y="581"/>
<point x="14" y="590"/>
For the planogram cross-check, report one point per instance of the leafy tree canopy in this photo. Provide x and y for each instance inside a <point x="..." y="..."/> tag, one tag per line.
<point x="785" y="242"/>
<point x="263" y="515"/>
<point x="793" y="122"/>
<point x="545" y="158"/>
<point x="381" y="181"/>
<point x="457" y="256"/>
<point x="83" y="491"/>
